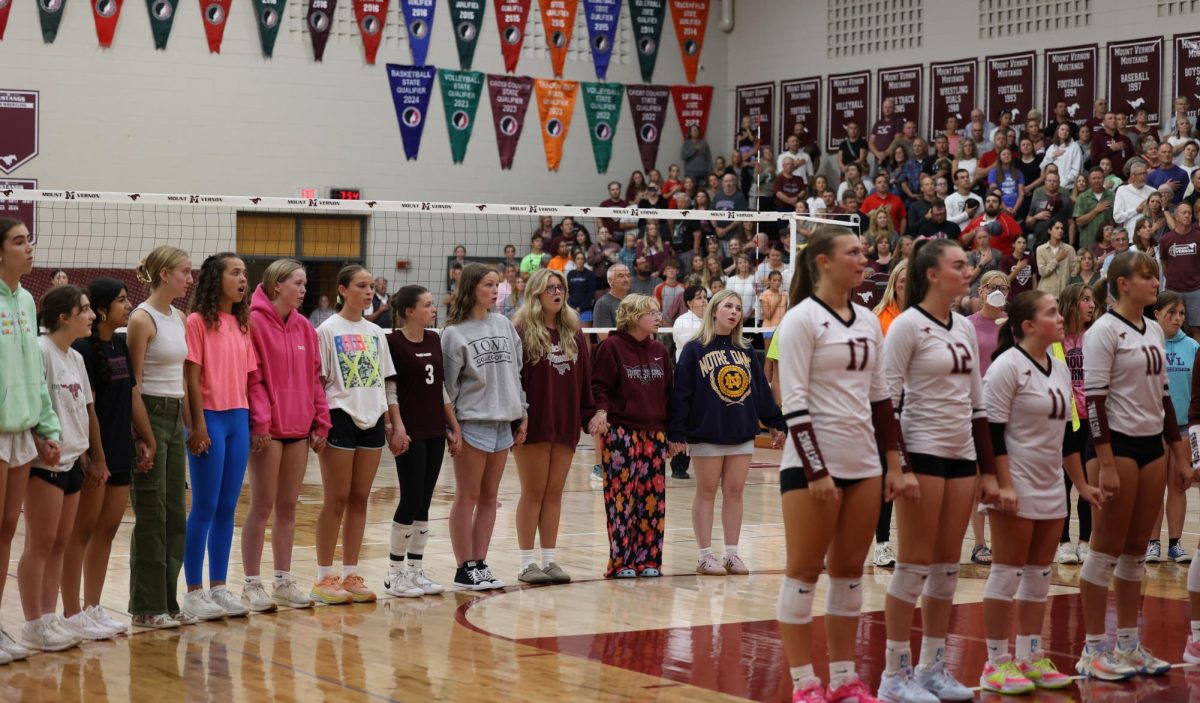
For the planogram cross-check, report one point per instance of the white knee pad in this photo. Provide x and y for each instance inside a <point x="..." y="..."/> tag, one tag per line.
<point x="1035" y="584"/>
<point x="1130" y="567"/>
<point x="908" y="581"/>
<point x="1002" y="582"/>
<point x="942" y="581"/>
<point x="795" y="602"/>
<point x="1098" y="568"/>
<point x="845" y="598"/>
<point x="1193" y="579"/>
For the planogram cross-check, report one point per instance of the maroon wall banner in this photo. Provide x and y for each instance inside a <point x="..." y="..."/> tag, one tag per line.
<point x="1071" y="76"/>
<point x="692" y="103"/>
<point x="848" y="96"/>
<point x="757" y="101"/>
<point x="951" y="92"/>
<point x="648" y="105"/>
<point x="1187" y="71"/>
<point x="1009" y="85"/>
<point x="25" y="212"/>
<point x="320" y="20"/>
<point x="800" y="101"/>
<point x="903" y="86"/>
<point x="1135" y="77"/>
<point x="509" y="96"/>
<point x="18" y="128"/>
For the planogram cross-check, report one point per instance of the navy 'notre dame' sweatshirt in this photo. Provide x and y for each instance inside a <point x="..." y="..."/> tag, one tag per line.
<point x="720" y="395"/>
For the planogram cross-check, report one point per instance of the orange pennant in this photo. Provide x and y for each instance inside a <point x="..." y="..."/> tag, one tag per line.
<point x="691" y="19"/>
<point x="558" y="18"/>
<point x="556" y="104"/>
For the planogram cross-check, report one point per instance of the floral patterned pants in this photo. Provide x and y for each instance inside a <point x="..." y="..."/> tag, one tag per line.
<point x="634" y="463"/>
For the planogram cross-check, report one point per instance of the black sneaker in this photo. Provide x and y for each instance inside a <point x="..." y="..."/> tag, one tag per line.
<point x="679" y="474"/>
<point x="469" y="577"/>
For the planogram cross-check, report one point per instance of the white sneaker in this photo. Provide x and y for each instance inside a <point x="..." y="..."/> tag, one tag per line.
<point x="900" y="687"/>
<point x="1083" y="550"/>
<point x="157" y="621"/>
<point x="398" y="583"/>
<point x="59" y="623"/>
<point x="422" y="581"/>
<point x="255" y="598"/>
<point x="184" y="619"/>
<point x="940" y="683"/>
<point x="12" y="648"/>
<point x="5" y="658"/>
<point x="81" y="625"/>
<point x="41" y="635"/>
<point x="287" y="593"/>
<point x="99" y="615"/>
<point x="1066" y="554"/>
<point x="885" y="556"/>
<point x="225" y="600"/>
<point x="198" y="604"/>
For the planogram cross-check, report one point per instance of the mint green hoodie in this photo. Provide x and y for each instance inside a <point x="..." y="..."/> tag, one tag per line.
<point x="24" y="397"/>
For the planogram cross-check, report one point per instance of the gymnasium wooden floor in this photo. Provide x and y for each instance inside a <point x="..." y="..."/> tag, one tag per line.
<point x="679" y="638"/>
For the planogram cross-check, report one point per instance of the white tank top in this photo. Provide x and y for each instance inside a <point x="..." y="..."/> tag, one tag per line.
<point x="162" y="369"/>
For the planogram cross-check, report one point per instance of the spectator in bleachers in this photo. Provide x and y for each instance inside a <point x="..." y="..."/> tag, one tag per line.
<point x="789" y="187"/>
<point x="537" y="257"/>
<point x="1193" y="192"/>
<point x="1089" y="273"/>
<point x="561" y="257"/>
<point x="853" y="150"/>
<point x="882" y="196"/>
<point x="673" y="183"/>
<point x="879" y="225"/>
<point x="604" y="312"/>
<point x="918" y="208"/>
<point x="1109" y="143"/>
<point x="967" y="159"/>
<point x="937" y="226"/>
<point x="1103" y="246"/>
<point x="670" y="289"/>
<point x="912" y="171"/>
<point x="59" y="278"/>
<point x="906" y="138"/>
<point x="1033" y="130"/>
<point x="1018" y="267"/>
<point x="1120" y="244"/>
<point x="653" y="248"/>
<point x="962" y="204"/>
<point x="581" y="288"/>
<point x="627" y="255"/>
<point x="1167" y="177"/>
<point x="1064" y="153"/>
<point x="322" y="313"/>
<point x="381" y="305"/>
<point x="981" y="259"/>
<point x="545" y="227"/>
<point x="1129" y="201"/>
<point x="635" y="187"/>
<point x="1180" y="113"/>
<point x="1005" y="178"/>
<point x="803" y="164"/>
<point x="982" y="144"/>
<point x="987" y="159"/>
<point x="601" y="255"/>
<point x="941" y="152"/>
<point x="644" y="281"/>
<point x="995" y="224"/>
<point x="1096" y="123"/>
<point x="1141" y="126"/>
<point x="510" y="259"/>
<point x="730" y="199"/>
<point x="977" y="120"/>
<point x="1055" y="260"/>
<point x="1048" y="205"/>
<point x="1156" y="221"/>
<point x="1062" y="117"/>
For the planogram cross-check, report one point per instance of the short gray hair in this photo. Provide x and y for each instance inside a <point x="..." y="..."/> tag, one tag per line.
<point x="612" y="270"/>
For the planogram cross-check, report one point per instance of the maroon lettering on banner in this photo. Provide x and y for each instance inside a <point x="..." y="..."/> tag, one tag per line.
<point x="25" y="212"/>
<point x="848" y="95"/>
<point x="1135" y="77"/>
<point x="903" y="86"/>
<point x="758" y="103"/>
<point x="951" y="92"/>
<point x="18" y="128"/>
<point x="1009" y="82"/>
<point x="1187" y="72"/>
<point x="800" y="101"/>
<point x="1071" y="75"/>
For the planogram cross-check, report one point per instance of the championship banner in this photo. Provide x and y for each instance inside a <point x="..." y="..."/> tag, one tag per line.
<point x="1009" y="81"/>
<point x="215" y="13"/>
<point x="1135" y="77"/>
<point x="692" y="103"/>
<point x="418" y="20"/>
<point x="558" y="20"/>
<point x="24" y="211"/>
<point x="1071" y="76"/>
<point x="50" y="14"/>
<point x="1187" y="70"/>
<point x="410" y="87"/>
<point x="602" y="17"/>
<point x="5" y="6"/>
<point x="903" y="86"/>
<point x="951" y="92"/>
<point x="18" y="128"/>
<point x="648" y="105"/>
<point x="371" y="16"/>
<point x="691" y="19"/>
<point x="467" y="16"/>
<point x="162" y="17"/>
<point x="106" y="13"/>
<point x="269" y="14"/>
<point x="556" y="106"/>
<point x="509" y="96"/>
<point x="646" y="16"/>
<point x="757" y="102"/>
<point x="460" y="99"/>
<point x="602" y="104"/>
<point x="320" y="20"/>
<point x="847" y="103"/>
<point x="800" y="101"/>
<point x="511" y="16"/>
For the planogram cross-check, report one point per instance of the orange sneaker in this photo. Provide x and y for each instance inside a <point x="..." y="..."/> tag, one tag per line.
<point x="329" y="591"/>
<point x="357" y="588"/>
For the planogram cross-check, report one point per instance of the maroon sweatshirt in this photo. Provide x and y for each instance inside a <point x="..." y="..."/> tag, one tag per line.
<point x="559" y="392"/>
<point x="632" y="381"/>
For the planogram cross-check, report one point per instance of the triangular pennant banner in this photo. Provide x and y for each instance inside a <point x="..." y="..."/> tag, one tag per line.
<point x="5" y="6"/>
<point x="691" y="19"/>
<point x="509" y="96"/>
<point x="647" y="19"/>
<point x="467" y="16"/>
<point x="556" y="105"/>
<point x="106" y="13"/>
<point x="460" y="99"/>
<point x="50" y="14"/>
<point x="371" y="15"/>
<point x="162" y="17"/>
<point x="418" y="20"/>
<point x="320" y="20"/>
<point x="602" y="16"/>
<point x="268" y="14"/>
<point x="648" y="105"/>
<point x="602" y="104"/>
<point x="692" y="103"/>
<point x="215" y="14"/>
<point x="410" y="86"/>
<point x="558" y="19"/>
<point x="511" y="16"/>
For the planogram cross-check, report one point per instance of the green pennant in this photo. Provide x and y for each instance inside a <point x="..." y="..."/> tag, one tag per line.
<point x="602" y="103"/>
<point x="50" y="14"/>
<point x="162" y="15"/>
<point x="466" y="16"/>
<point x="647" y="19"/>
<point x="269" y="15"/>
<point x="460" y="98"/>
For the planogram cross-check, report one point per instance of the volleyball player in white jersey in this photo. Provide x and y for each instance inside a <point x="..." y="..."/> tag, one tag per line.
<point x="931" y="360"/>
<point x="1129" y="411"/>
<point x="832" y="379"/>
<point x="1026" y="383"/>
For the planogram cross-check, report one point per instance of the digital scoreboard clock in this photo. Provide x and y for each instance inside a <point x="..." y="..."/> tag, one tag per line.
<point x="345" y="194"/>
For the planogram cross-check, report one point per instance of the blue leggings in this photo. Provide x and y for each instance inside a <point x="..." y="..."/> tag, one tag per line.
<point x="216" y="485"/>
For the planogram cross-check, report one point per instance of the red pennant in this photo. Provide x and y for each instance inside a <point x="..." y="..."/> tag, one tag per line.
<point x="371" y="16"/>
<point x="691" y="19"/>
<point x="5" y="6"/>
<point x="215" y="13"/>
<point x="558" y="18"/>
<point x="511" y="16"/>
<point x="692" y="103"/>
<point x="106" y="13"/>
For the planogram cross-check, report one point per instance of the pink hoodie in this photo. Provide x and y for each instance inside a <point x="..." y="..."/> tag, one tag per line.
<point x="286" y="397"/>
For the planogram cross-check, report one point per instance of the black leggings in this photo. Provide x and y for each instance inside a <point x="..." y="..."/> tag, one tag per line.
<point x="418" y="470"/>
<point x="1085" y="516"/>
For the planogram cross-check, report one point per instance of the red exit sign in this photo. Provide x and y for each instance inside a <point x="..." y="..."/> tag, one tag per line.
<point x="345" y="194"/>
